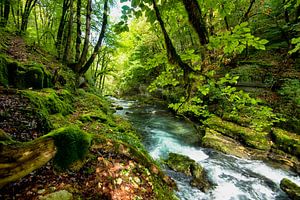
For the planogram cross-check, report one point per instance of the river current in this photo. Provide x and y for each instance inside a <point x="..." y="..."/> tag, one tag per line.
<point x="235" y="178"/>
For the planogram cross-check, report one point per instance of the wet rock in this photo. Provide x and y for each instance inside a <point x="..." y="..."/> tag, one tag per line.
<point x="217" y="141"/>
<point x="59" y="195"/>
<point x="249" y="137"/>
<point x="290" y="188"/>
<point x="184" y="164"/>
<point x="119" y="108"/>
<point x="286" y="141"/>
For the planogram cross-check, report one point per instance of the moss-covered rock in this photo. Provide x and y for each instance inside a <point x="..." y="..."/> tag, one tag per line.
<point x="290" y="188"/>
<point x="184" y="164"/>
<point x="49" y="101"/>
<point x="93" y="116"/>
<point x="247" y="136"/>
<point x="217" y="141"/>
<point x="286" y="141"/>
<point x="28" y="76"/>
<point x="72" y="145"/>
<point x="59" y="195"/>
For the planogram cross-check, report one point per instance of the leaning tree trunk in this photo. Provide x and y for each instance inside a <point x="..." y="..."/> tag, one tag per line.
<point x="99" y="42"/>
<point x="67" y="51"/>
<point x="19" y="159"/>
<point x="78" y="30"/>
<point x="173" y="57"/>
<point x="61" y="28"/>
<point x="195" y="18"/>
<point x="82" y="57"/>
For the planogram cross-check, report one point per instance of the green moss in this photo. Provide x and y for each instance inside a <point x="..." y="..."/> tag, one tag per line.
<point x="94" y="116"/>
<point x="72" y="145"/>
<point x="89" y="101"/>
<point x="287" y="141"/>
<point x="180" y="163"/>
<point x="3" y="71"/>
<point x="29" y="76"/>
<point x="58" y="120"/>
<point x="48" y="102"/>
<point x="217" y="141"/>
<point x="290" y="188"/>
<point x="250" y="137"/>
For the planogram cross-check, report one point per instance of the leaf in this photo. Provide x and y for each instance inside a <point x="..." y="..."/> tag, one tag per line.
<point x="135" y="3"/>
<point x="263" y="41"/>
<point x="244" y="24"/>
<point x="125" y="7"/>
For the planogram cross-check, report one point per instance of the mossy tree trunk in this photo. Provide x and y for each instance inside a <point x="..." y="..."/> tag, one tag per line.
<point x="19" y="159"/>
<point x="195" y="18"/>
<point x="172" y="54"/>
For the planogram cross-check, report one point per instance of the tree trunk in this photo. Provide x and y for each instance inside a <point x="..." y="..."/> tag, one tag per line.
<point x="36" y="26"/>
<point x="173" y="57"/>
<point x="195" y="18"/>
<point x="20" y="159"/>
<point x="67" y="54"/>
<point x="78" y="39"/>
<point x="5" y="13"/>
<point x="99" y="42"/>
<point x="82" y="59"/>
<point x="26" y="13"/>
<point x="61" y="27"/>
<point x="246" y="15"/>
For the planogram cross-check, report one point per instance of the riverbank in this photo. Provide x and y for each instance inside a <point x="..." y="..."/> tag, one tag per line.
<point x="64" y="135"/>
<point x="231" y="177"/>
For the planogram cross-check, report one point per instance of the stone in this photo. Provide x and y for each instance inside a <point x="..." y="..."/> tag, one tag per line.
<point x="286" y="141"/>
<point x="59" y="195"/>
<point x="189" y="167"/>
<point x="290" y="188"/>
<point x="249" y="137"/>
<point x="215" y="140"/>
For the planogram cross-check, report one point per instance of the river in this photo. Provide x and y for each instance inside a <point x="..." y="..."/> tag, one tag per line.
<point x="235" y="178"/>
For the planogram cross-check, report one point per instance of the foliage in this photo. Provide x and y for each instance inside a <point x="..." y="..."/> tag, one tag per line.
<point x="296" y="42"/>
<point x="235" y="42"/>
<point x="291" y="90"/>
<point x="230" y="102"/>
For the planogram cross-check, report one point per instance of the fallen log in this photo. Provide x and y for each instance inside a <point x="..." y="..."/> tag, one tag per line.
<point x="19" y="159"/>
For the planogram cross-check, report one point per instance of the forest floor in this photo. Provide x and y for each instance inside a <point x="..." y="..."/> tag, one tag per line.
<point x="116" y="166"/>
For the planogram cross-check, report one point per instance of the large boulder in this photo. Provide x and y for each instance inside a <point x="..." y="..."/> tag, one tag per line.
<point x="215" y="140"/>
<point x="24" y="76"/>
<point x="290" y="188"/>
<point x="249" y="137"/>
<point x="184" y="164"/>
<point x="286" y="141"/>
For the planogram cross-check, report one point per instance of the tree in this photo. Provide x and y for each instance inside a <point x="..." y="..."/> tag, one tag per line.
<point x="195" y="18"/>
<point x="173" y="56"/>
<point x="29" y="5"/>
<point x="4" y="12"/>
<point x="89" y="62"/>
<point x="59" y="36"/>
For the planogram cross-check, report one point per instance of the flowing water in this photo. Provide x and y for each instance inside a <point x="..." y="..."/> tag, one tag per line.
<point x="235" y="178"/>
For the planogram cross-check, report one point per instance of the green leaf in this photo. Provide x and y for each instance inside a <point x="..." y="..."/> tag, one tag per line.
<point x="263" y="41"/>
<point x="244" y="24"/>
<point x="125" y="7"/>
<point x="135" y="3"/>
